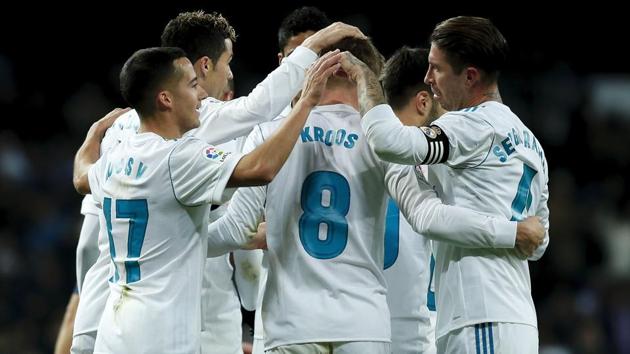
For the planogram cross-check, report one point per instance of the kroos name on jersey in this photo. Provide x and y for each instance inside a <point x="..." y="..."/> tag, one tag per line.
<point x="329" y="137"/>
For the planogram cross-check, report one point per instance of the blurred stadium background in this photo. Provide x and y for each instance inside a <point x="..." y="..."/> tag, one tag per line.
<point x="568" y="80"/>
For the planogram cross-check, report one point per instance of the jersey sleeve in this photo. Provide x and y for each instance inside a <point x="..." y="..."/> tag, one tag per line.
<point x="470" y="138"/>
<point x="247" y="273"/>
<point x="89" y="206"/>
<point x="223" y="121"/>
<point x="240" y="221"/>
<point x="428" y="216"/>
<point x="394" y="142"/>
<point x="96" y="179"/>
<point x="244" y="212"/>
<point x="199" y="172"/>
<point x="543" y="212"/>
<point x="457" y="139"/>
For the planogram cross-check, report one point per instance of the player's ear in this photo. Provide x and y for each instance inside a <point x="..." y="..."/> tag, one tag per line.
<point x="473" y="76"/>
<point x="423" y="102"/>
<point x="203" y="65"/>
<point x="280" y="57"/>
<point x="164" y="100"/>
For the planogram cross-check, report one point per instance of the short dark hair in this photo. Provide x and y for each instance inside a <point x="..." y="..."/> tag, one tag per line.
<point x="198" y="34"/>
<point x="144" y="74"/>
<point x="363" y="49"/>
<point x="403" y="75"/>
<point x="473" y="41"/>
<point x="304" y="19"/>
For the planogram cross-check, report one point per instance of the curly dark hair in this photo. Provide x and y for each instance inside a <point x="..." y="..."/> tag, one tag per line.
<point x="304" y="19"/>
<point x="199" y="34"/>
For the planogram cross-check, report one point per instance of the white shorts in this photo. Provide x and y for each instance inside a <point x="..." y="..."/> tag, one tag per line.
<point x="490" y="338"/>
<point x="333" y="348"/>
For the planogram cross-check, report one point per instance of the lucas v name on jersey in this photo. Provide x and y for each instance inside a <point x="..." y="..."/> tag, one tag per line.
<point x="126" y="166"/>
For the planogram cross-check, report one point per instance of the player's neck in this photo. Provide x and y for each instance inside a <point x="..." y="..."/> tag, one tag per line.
<point x="409" y="116"/>
<point x="161" y="126"/>
<point x="484" y="94"/>
<point x="340" y="95"/>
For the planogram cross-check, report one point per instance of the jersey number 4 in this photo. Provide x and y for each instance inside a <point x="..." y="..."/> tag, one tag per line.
<point x="137" y="211"/>
<point x="523" y="199"/>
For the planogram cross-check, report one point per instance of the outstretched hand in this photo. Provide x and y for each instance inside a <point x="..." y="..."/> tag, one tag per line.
<point x="353" y="67"/>
<point x="369" y="90"/>
<point x="317" y="77"/>
<point x="89" y="152"/>
<point x="331" y="34"/>
<point x="98" y="128"/>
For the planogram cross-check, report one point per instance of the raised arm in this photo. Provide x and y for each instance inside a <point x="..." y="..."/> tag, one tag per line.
<point x="90" y="150"/>
<point x="223" y="121"/>
<point x="390" y="139"/>
<point x="262" y="164"/>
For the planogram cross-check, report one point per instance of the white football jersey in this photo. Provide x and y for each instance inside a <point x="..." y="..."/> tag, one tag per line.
<point x="407" y="260"/>
<point x="95" y="289"/>
<point x="220" y="122"/>
<point x="325" y="213"/>
<point x="155" y="196"/>
<point x="221" y="319"/>
<point x="124" y="126"/>
<point x="494" y="165"/>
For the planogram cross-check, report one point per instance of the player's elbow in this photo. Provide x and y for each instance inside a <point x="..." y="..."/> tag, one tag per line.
<point x="256" y="174"/>
<point x="81" y="185"/>
<point x="394" y="156"/>
<point x="265" y="173"/>
<point x="382" y="153"/>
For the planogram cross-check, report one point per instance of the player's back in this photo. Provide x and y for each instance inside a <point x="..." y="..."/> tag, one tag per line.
<point x="325" y="214"/>
<point x="496" y="166"/>
<point x="487" y="180"/>
<point x="156" y="249"/>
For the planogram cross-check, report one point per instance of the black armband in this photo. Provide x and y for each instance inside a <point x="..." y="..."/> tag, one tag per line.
<point x="437" y="151"/>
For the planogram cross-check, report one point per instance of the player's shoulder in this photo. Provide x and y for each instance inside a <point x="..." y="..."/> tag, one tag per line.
<point x="186" y="142"/>
<point x="485" y="116"/>
<point x="210" y="101"/>
<point x="192" y="148"/>
<point x="210" y="104"/>
<point x="264" y="130"/>
<point x="474" y="112"/>
<point x="128" y="121"/>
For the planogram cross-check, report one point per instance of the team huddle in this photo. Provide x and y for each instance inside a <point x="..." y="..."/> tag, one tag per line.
<point x="359" y="205"/>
